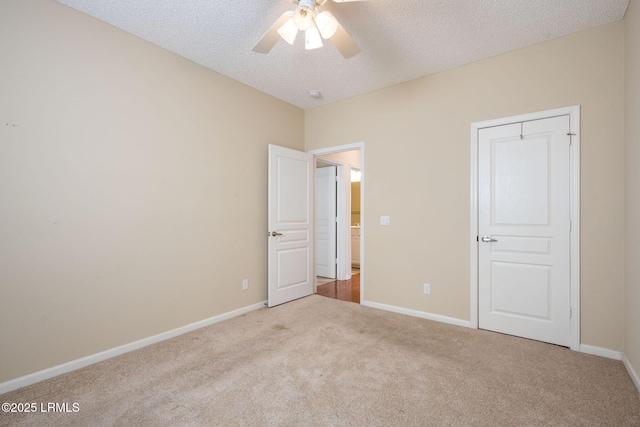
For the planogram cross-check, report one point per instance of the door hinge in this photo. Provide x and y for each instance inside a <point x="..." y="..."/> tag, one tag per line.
<point x="570" y="313"/>
<point x="336" y="261"/>
<point x="569" y="134"/>
<point x="477" y="238"/>
<point x="570" y="225"/>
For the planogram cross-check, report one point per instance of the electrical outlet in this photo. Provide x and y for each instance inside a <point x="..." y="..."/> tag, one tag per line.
<point x="245" y="284"/>
<point x="427" y="289"/>
<point x="385" y="220"/>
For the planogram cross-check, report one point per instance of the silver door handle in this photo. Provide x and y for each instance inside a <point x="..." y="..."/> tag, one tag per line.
<point x="275" y="233"/>
<point x="488" y="239"/>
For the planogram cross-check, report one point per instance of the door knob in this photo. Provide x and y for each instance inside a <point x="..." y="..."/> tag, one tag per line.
<point x="275" y="233"/>
<point x="488" y="239"/>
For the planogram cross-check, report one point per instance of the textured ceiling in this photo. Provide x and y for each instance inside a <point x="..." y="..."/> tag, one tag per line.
<point x="400" y="39"/>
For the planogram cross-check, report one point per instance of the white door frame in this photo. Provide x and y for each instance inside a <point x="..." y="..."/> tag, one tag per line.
<point x="574" y="191"/>
<point x="345" y="224"/>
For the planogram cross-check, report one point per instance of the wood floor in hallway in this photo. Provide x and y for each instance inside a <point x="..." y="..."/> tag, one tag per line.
<point x="345" y="290"/>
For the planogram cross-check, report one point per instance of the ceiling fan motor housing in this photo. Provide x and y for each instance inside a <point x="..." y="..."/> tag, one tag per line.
<point x="311" y="4"/>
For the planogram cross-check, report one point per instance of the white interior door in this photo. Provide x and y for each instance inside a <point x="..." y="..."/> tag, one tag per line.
<point x="325" y="221"/>
<point x="524" y="229"/>
<point x="290" y="222"/>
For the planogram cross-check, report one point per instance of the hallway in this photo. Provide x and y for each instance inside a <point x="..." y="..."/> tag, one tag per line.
<point x="345" y="290"/>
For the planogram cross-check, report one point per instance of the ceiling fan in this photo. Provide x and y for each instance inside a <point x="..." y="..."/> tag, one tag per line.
<point x="316" y="25"/>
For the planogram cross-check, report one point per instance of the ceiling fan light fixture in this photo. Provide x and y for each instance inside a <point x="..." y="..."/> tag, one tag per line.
<point x="327" y="24"/>
<point x="303" y="18"/>
<point x="316" y="25"/>
<point x="288" y="31"/>
<point x="312" y="39"/>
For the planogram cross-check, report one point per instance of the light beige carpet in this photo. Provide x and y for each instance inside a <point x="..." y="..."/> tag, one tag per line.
<point x="323" y="362"/>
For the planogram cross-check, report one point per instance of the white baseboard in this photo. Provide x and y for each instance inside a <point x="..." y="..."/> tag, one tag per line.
<point x="54" y="371"/>
<point x="632" y="372"/>
<point x="584" y="348"/>
<point x="599" y="351"/>
<point x="416" y="313"/>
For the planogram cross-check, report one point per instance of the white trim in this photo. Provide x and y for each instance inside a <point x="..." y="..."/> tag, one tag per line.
<point x="632" y="373"/>
<point x="362" y="210"/>
<point x="416" y="313"/>
<point x="73" y="365"/>
<point x="339" y="149"/>
<point x="574" y="125"/>
<point x="473" y="238"/>
<point x="599" y="351"/>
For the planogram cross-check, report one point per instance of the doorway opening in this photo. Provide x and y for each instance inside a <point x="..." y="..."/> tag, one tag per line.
<point x="349" y="231"/>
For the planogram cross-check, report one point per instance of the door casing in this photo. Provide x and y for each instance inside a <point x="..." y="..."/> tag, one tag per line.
<point x="574" y="125"/>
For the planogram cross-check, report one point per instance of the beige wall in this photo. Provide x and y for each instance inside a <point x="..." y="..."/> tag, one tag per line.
<point x="417" y="140"/>
<point x="347" y="158"/>
<point x="632" y="181"/>
<point x="355" y="204"/>
<point x="132" y="187"/>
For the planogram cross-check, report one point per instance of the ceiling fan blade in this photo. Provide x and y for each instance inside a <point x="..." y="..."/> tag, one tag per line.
<point x="271" y="37"/>
<point x="345" y="44"/>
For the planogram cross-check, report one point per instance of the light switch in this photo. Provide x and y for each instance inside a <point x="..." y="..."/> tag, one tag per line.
<point x="384" y="220"/>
